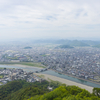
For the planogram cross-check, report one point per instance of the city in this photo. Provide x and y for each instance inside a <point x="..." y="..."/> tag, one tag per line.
<point x="17" y="74"/>
<point x="80" y="62"/>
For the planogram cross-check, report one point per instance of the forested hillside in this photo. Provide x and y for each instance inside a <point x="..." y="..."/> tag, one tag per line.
<point x="22" y="90"/>
<point x="67" y="93"/>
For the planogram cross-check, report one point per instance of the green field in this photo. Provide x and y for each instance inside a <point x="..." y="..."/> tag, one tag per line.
<point x="1" y="76"/>
<point x="1" y="83"/>
<point x="1" y="68"/>
<point x="24" y="63"/>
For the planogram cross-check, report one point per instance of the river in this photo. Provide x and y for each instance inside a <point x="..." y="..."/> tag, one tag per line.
<point x="50" y="72"/>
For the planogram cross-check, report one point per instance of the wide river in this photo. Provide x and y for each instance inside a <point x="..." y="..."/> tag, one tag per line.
<point x="50" y="72"/>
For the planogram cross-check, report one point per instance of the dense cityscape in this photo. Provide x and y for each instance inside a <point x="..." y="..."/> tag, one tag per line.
<point x="81" y="62"/>
<point x="17" y="74"/>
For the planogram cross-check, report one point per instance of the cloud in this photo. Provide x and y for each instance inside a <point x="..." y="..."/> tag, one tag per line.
<point x="39" y="18"/>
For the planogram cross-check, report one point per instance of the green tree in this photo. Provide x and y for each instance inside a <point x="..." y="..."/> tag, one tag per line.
<point x="96" y="92"/>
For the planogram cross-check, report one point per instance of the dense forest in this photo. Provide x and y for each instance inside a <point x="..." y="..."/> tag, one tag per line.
<point x="68" y="93"/>
<point x="22" y="90"/>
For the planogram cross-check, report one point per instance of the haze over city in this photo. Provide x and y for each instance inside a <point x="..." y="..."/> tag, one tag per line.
<point x="40" y="19"/>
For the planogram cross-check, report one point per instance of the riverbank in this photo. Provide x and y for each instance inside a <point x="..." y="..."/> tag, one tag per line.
<point x="65" y="81"/>
<point x="24" y="64"/>
<point x="76" y="77"/>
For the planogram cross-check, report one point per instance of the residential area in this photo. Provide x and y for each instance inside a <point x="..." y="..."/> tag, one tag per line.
<point x="81" y="62"/>
<point x="17" y="74"/>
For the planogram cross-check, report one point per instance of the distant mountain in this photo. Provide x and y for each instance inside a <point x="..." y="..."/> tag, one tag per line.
<point x="90" y="42"/>
<point x="78" y="43"/>
<point x="97" y="46"/>
<point x="62" y="41"/>
<point x="72" y="43"/>
<point x="64" y="46"/>
<point x="28" y="47"/>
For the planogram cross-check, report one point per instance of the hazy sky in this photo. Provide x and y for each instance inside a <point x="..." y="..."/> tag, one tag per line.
<point x="49" y="18"/>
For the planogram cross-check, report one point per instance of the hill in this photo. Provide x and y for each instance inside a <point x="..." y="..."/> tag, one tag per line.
<point x="28" y="47"/>
<point x="67" y="93"/>
<point x="97" y="46"/>
<point x="64" y="47"/>
<point x="78" y="43"/>
<point x="90" y="42"/>
<point x="20" y="89"/>
<point x="72" y="43"/>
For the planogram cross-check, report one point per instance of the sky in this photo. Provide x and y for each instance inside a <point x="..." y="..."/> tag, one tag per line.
<point x="39" y="19"/>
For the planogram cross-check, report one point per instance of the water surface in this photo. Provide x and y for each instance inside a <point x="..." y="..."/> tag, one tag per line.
<point x="50" y="72"/>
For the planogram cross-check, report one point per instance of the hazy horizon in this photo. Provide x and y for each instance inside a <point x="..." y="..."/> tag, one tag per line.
<point x="47" y="39"/>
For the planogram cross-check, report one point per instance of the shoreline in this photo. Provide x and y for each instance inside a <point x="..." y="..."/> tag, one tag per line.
<point x="76" y="77"/>
<point x="19" y="65"/>
<point x="66" y="81"/>
<point x="55" y="78"/>
<point x="26" y="66"/>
